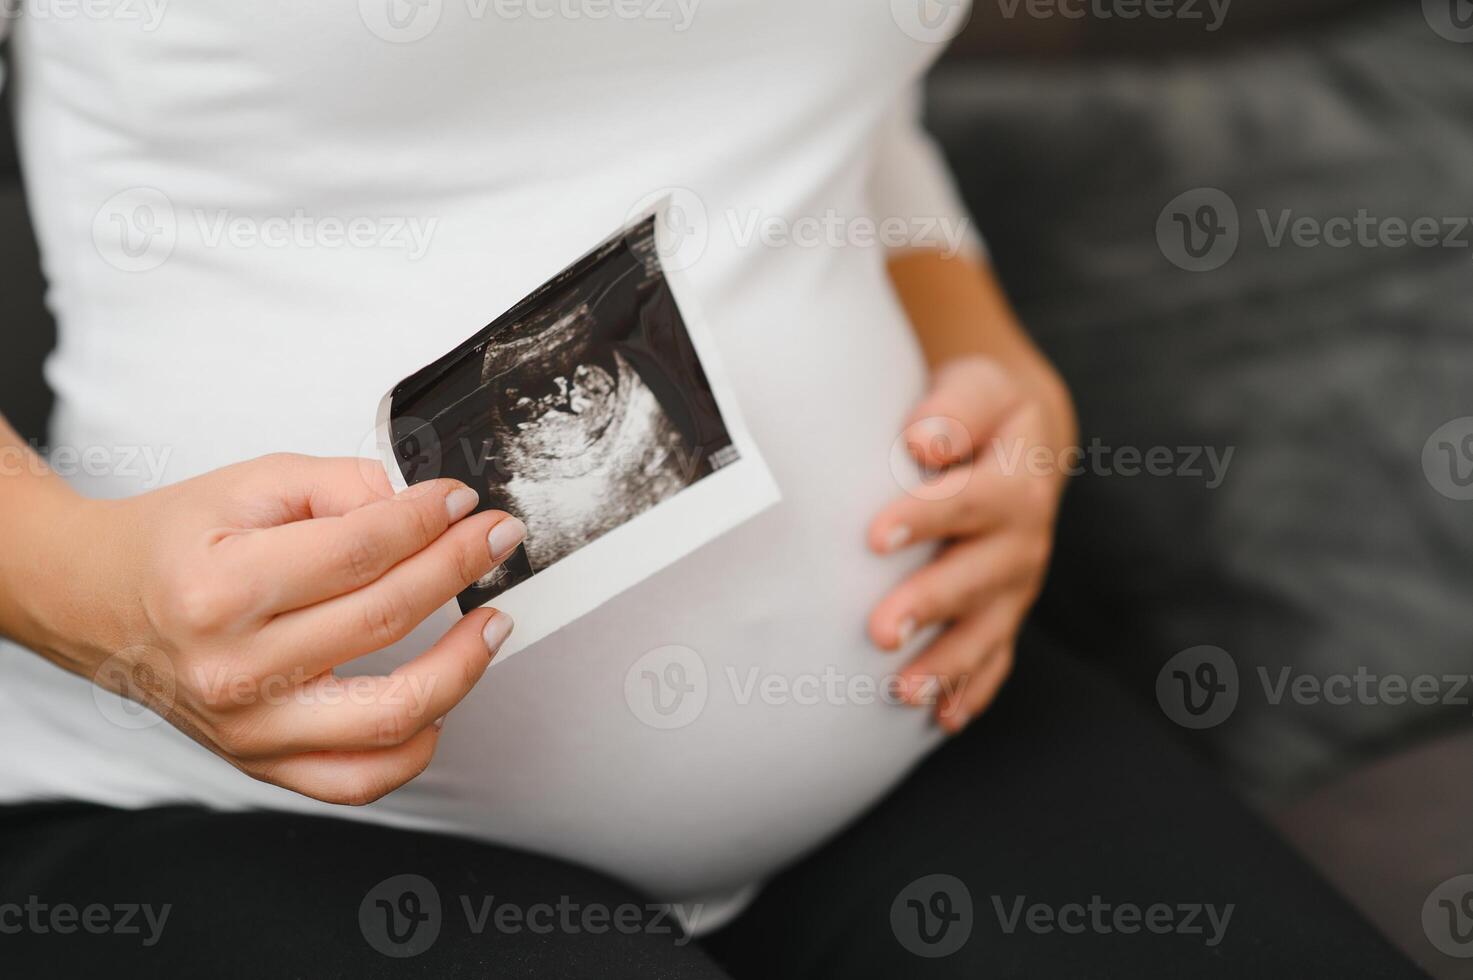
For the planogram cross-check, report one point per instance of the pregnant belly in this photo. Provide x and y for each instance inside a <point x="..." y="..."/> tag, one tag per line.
<point x="726" y="715"/>
<point x="693" y="735"/>
<point x="695" y="738"/>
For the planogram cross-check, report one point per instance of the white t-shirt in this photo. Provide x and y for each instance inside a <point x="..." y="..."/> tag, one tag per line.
<point x="253" y="221"/>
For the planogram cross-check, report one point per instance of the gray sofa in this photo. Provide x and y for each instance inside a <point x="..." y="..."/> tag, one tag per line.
<point x="1326" y="546"/>
<point x="1330" y="547"/>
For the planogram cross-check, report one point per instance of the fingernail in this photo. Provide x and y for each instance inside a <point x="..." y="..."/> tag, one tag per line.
<point x="505" y="537"/>
<point x="907" y="629"/>
<point x="898" y="537"/>
<point x="439" y="723"/>
<point x="461" y="502"/>
<point x="497" y="629"/>
<point x="912" y="691"/>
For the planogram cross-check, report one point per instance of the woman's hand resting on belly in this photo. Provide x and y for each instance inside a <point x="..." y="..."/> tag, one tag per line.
<point x="224" y="603"/>
<point x="993" y="439"/>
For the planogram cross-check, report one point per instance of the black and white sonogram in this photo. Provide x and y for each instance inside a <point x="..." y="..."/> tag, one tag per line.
<point x="582" y="408"/>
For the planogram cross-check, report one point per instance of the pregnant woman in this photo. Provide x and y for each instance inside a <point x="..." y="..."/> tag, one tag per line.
<point x="254" y="220"/>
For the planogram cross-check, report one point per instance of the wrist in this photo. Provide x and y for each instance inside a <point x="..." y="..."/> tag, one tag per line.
<point x="61" y="592"/>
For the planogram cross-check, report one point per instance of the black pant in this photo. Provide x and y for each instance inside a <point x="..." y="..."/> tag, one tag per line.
<point x="1063" y="835"/>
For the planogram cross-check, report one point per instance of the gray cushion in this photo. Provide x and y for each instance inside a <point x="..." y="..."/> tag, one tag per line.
<point x="1325" y="548"/>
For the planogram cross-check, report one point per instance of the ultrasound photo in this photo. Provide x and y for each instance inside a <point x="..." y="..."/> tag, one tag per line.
<point x="583" y="408"/>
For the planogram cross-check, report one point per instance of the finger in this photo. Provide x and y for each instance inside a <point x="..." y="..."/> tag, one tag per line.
<point x="941" y="673"/>
<point x="978" y="691"/>
<point x="287" y="487"/>
<point x="333" y="713"/>
<point x="961" y="580"/>
<point x="976" y="501"/>
<point x="316" y="559"/>
<point x="958" y="650"/>
<point x="385" y="611"/>
<point x="1000" y="484"/>
<point x="351" y="778"/>
<point x="969" y="400"/>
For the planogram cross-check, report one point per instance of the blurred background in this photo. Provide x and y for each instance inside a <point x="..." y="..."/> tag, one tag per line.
<point x="1241" y="229"/>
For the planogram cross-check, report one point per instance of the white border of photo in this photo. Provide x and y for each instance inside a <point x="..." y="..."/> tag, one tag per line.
<point x="582" y="581"/>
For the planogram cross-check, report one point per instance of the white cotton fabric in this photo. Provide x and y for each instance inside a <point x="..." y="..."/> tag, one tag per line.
<point x="250" y="133"/>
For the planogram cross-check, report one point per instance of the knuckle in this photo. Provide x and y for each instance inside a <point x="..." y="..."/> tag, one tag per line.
<point x="971" y="507"/>
<point x="239" y="739"/>
<point x="422" y="761"/>
<point x="427" y="515"/>
<point x="473" y="668"/>
<point x="214" y="693"/>
<point x="202" y="603"/>
<point x="472" y="560"/>
<point x="385" y="619"/>
<point x="362" y="559"/>
<point x="391" y="726"/>
<point x="359" y="790"/>
<point x="282" y="461"/>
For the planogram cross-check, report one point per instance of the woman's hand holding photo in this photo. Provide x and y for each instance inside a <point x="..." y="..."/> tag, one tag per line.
<point x="226" y="601"/>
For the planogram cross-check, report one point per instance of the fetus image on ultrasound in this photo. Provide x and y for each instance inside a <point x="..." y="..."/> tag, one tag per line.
<point x="579" y="409"/>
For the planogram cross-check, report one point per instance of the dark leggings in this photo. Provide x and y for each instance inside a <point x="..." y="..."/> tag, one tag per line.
<point x="1063" y="835"/>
